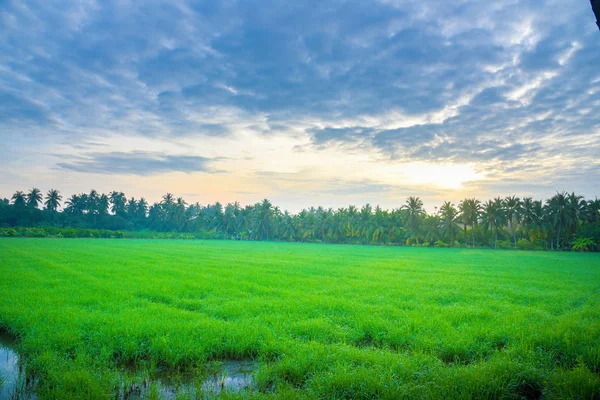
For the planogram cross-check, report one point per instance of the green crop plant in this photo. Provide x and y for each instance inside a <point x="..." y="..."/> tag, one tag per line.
<point x="322" y="321"/>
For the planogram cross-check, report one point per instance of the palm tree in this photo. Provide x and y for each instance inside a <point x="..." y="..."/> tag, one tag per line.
<point x="168" y="199"/>
<point x="449" y="225"/>
<point x="513" y="209"/>
<point x="494" y="216"/>
<point x="34" y="198"/>
<point x="578" y="208"/>
<point x="262" y="223"/>
<point x="527" y="212"/>
<point x="178" y="215"/>
<point x="142" y="208"/>
<point x="132" y="209"/>
<point x="414" y="214"/>
<point x="285" y="228"/>
<point x="593" y="210"/>
<point x="75" y="205"/>
<point x="431" y="228"/>
<point x="118" y="201"/>
<point x="19" y="199"/>
<point x="102" y="205"/>
<point x="561" y="212"/>
<point x="53" y="199"/>
<point x="475" y="209"/>
<point x="470" y="210"/>
<point x="463" y="209"/>
<point x="92" y="201"/>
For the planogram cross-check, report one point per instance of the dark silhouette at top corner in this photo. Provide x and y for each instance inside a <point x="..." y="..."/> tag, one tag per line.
<point x="596" y="8"/>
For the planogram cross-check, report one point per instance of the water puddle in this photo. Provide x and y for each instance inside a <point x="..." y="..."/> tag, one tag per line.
<point x="14" y="383"/>
<point x="234" y="376"/>
<point x="224" y="376"/>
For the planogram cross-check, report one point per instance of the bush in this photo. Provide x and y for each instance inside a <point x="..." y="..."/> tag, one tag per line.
<point x="34" y="232"/>
<point x="8" y="232"/>
<point x="583" y="244"/>
<point x="441" y="244"/>
<point x="69" y="232"/>
<point x="505" y="244"/>
<point x="524" y="244"/>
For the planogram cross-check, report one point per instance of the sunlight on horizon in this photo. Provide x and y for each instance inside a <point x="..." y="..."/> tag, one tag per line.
<point x="449" y="176"/>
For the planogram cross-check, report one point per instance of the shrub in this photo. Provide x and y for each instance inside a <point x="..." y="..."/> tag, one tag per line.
<point x="505" y="244"/>
<point x="9" y="232"/>
<point x="524" y="244"/>
<point x="440" y="244"/>
<point x="582" y="244"/>
<point x="69" y="233"/>
<point x="34" y="232"/>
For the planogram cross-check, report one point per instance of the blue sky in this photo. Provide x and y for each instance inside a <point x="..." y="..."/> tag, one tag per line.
<point x="306" y="103"/>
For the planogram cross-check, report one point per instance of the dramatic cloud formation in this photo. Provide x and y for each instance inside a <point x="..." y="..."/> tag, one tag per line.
<point x="336" y="101"/>
<point x="136" y="163"/>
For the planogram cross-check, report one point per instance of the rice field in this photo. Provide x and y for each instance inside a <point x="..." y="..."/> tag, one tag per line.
<point x="318" y="321"/>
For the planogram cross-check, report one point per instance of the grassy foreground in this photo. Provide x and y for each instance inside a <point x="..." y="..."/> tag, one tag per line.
<point x="324" y="321"/>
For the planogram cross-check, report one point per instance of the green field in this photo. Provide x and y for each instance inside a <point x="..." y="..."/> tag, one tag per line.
<point x="323" y="321"/>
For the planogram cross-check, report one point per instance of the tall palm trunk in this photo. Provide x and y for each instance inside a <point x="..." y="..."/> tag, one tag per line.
<point x="512" y="231"/>
<point x="558" y="236"/>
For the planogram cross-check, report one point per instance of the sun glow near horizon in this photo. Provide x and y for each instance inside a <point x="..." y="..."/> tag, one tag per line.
<point x="449" y="176"/>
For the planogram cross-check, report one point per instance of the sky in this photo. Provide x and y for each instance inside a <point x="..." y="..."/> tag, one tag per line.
<point x="303" y="102"/>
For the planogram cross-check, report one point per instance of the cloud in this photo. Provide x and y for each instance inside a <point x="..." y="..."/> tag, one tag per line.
<point x="325" y="135"/>
<point x="505" y="85"/>
<point x="137" y="163"/>
<point x="16" y="109"/>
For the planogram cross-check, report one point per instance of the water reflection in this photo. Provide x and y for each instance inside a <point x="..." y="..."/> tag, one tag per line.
<point x="15" y="384"/>
<point x="225" y="376"/>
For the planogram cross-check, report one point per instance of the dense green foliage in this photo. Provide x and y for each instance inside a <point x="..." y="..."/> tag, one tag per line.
<point x="324" y="321"/>
<point x="56" y="232"/>
<point x="499" y="223"/>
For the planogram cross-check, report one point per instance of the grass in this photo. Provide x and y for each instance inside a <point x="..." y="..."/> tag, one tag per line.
<point x="324" y="321"/>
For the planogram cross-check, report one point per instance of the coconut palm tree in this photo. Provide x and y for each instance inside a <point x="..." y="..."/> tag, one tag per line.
<point x="92" y="202"/>
<point x="561" y="213"/>
<point x="102" y="205"/>
<point x="76" y="205"/>
<point x="513" y="212"/>
<point x="53" y="199"/>
<point x="178" y="216"/>
<point x="494" y="216"/>
<point x="132" y="209"/>
<point x="414" y="213"/>
<point x="578" y="207"/>
<point x="593" y="211"/>
<point x="19" y="199"/>
<point x="118" y="201"/>
<point x="431" y="228"/>
<point x="34" y="198"/>
<point x="142" y="208"/>
<point x="449" y="221"/>
<point x="470" y="210"/>
<point x="168" y="199"/>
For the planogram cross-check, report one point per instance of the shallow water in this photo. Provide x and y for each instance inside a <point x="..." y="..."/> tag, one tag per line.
<point x="232" y="376"/>
<point x="229" y="375"/>
<point x="15" y="384"/>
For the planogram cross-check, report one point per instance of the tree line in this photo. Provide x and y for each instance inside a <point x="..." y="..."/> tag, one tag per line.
<point x="562" y="222"/>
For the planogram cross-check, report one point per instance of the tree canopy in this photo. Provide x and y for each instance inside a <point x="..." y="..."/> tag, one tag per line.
<point x="560" y="222"/>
